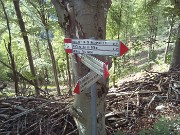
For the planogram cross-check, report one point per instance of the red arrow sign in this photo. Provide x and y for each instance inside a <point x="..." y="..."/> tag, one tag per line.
<point x="77" y="88"/>
<point x="85" y="82"/>
<point x="123" y="49"/>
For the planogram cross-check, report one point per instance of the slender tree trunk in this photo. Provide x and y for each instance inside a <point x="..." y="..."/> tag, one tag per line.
<point x="85" y="19"/>
<point x="63" y="72"/>
<point x="169" y="38"/>
<point x="9" y="50"/>
<point x="46" y="79"/>
<point x="150" y="37"/>
<point x="69" y="75"/>
<point x="153" y="22"/>
<point x="26" y="42"/>
<point x="114" y="72"/>
<point x="53" y="63"/>
<point x="44" y="18"/>
<point x="43" y="68"/>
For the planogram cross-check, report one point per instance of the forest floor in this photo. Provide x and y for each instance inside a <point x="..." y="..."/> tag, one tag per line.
<point x="146" y="103"/>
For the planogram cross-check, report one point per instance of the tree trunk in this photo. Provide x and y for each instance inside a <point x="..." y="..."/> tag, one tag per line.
<point x="26" y="42"/>
<point x="171" y="23"/>
<point x="44" y="18"/>
<point x="175" y="62"/>
<point x="85" y="19"/>
<point x="9" y="50"/>
<point x="69" y="75"/>
<point x="46" y="80"/>
<point x="114" y="72"/>
<point x="53" y="63"/>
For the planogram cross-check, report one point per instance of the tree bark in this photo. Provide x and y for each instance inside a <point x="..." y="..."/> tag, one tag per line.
<point x="53" y="63"/>
<point x="69" y="75"/>
<point x="85" y="19"/>
<point x="27" y="46"/>
<point x="175" y="62"/>
<point x="114" y="72"/>
<point x="9" y="50"/>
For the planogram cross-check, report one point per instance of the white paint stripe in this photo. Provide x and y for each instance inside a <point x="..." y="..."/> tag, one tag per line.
<point x="95" y="42"/>
<point x="93" y="63"/>
<point x="88" y="80"/>
<point x="68" y="45"/>
<point x="95" y="60"/>
<point x="90" y="52"/>
<point x="96" y="47"/>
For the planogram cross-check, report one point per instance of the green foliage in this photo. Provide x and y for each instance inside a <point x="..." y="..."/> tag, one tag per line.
<point x="168" y="59"/>
<point x="119" y="133"/>
<point x="37" y="38"/>
<point x="144" y="27"/>
<point x="4" y="73"/>
<point x="128" y="21"/>
<point x="164" y="126"/>
<point x="151" y="4"/>
<point x="120" y="19"/>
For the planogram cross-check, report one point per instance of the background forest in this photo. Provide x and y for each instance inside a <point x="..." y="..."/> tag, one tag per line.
<point x="148" y="29"/>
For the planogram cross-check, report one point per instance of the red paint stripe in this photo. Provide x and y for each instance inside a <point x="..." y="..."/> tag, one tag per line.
<point x="107" y="63"/>
<point x="77" y="88"/>
<point x="68" y="50"/>
<point x="67" y="40"/>
<point x="106" y="72"/>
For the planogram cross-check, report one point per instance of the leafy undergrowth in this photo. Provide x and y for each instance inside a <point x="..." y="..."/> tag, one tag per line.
<point x="164" y="126"/>
<point x="145" y="105"/>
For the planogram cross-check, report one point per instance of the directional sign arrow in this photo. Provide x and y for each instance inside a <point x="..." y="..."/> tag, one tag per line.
<point x="123" y="48"/>
<point x="94" y="64"/>
<point x="91" y="46"/>
<point x="85" y="82"/>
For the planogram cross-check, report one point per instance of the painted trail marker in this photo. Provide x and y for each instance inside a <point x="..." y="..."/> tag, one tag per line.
<point x="68" y="45"/>
<point x="86" y="82"/>
<point x="91" y="46"/>
<point x="99" y="69"/>
<point x="94" y="64"/>
<point x="83" y="47"/>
